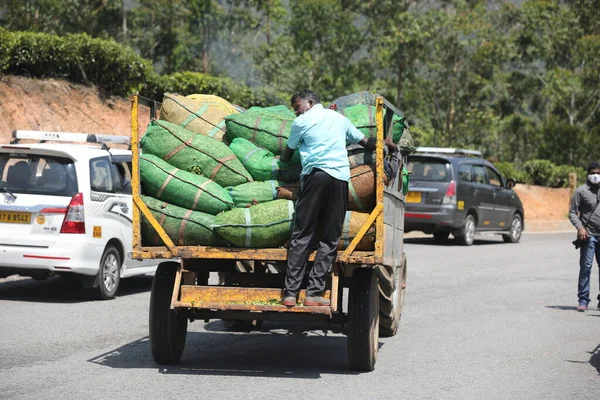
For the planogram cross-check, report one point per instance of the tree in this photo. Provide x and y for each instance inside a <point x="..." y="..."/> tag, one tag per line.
<point x="319" y="48"/>
<point x="99" y="18"/>
<point x="398" y="34"/>
<point x="556" y="67"/>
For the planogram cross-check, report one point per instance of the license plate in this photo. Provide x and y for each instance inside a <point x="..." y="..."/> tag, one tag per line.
<point x="413" y="197"/>
<point x="9" y="217"/>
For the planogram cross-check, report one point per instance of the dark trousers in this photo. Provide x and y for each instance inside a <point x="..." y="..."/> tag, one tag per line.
<point x="587" y="252"/>
<point x="320" y="212"/>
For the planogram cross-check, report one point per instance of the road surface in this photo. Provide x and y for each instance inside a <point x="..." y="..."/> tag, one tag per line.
<point x="492" y="321"/>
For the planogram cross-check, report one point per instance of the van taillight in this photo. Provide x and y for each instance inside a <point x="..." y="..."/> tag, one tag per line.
<point x="450" y="196"/>
<point x="75" y="219"/>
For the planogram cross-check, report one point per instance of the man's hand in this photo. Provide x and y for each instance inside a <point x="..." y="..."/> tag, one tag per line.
<point x="582" y="234"/>
<point x="368" y="143"/>
<point x="287" y="154"/>
<point x="371" y="144"/>
<point x="390" y="144"/>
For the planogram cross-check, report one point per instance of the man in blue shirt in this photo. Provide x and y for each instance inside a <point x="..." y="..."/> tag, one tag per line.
<point x="321" y="135"/>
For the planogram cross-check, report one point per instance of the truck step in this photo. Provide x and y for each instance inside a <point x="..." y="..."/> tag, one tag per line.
<point x="243" y="299"/>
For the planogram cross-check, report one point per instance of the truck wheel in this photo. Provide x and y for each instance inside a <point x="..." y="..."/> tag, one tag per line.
<point x="363" y="320"/>
<point x="516" y="228"/>
<point x="468" y="234"/>
<point x="391" y="303"/>
<point x="168" y="328"/>
<point x="109" y="274"/>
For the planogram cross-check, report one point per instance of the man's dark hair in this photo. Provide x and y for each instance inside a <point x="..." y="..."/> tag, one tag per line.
<point x="307" y="95"/>
<point x="593" y="165"/>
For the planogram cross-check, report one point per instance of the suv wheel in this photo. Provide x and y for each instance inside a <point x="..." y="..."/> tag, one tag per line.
<point x="109" y="275"/>
<point x="441" y="236"/>
<point x="468" y="233"/>
<point x="516" y="228"/>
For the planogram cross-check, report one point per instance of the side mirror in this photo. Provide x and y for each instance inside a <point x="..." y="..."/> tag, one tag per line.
<point x="510" y="183"/>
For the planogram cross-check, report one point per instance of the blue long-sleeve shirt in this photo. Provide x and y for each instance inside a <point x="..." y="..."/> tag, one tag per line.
<point x="321" y="135"/>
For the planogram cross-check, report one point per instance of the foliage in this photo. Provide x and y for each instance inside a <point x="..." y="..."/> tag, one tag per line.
<point x="186" y="83"/>
<point x="546" y="173"/>
<point x="113" y="68"/>
<point x="560" y="175"/>
<point x="7" y="44"/>
<point x="509" y="171"/>
<point x="538" y="172"/>
<point x="99" y="18"/>
<point x="110" y="66"/>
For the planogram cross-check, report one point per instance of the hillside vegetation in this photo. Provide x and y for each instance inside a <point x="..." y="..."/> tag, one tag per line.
<point x="54" y="105"/>
<point x="516" y="79"/>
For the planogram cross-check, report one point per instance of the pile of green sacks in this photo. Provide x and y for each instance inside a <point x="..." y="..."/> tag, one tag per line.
<point x="223" y="192"/>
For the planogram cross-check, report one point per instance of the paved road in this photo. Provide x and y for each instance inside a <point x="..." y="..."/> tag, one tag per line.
<point x="493" y="321"/>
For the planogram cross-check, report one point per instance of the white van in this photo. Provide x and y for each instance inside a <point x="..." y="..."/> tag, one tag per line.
<point x="65" y="209"/>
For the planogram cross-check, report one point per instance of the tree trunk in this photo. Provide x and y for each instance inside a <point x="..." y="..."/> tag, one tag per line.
<point x="452" y="111"/>
<point x="205" y="48"/>
<point x="268" y="25"/>
<point x="572" y="111"/>
<point x="124" y="24"/>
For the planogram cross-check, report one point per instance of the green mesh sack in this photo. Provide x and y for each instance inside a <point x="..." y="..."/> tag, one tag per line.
<point x="253" y="192"/>
<point x="274" y="110"/>
<point x="354" y="99"/>
<point x="203" y="117"/>
<point x="407" y="144"/>
<point x="262" y="164"/>
<point x="181" y="188"/>
<point x="194" y="153"/>
<point x="183" y="227"/>
<point x="363" y="118"/>
<point x="262" y="225"/>
<point x="266" y="128"/>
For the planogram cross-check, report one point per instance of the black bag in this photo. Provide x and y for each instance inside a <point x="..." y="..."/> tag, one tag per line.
<point x="579" y="243"/>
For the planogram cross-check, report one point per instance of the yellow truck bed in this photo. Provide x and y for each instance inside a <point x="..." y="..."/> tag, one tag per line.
<point x="181" y="290"/>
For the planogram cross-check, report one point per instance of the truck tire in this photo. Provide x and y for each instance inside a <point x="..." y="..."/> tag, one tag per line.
<point x="391" y="303"/>
<point x="516" y="228"/>
<point x="168" y="328"/>
<point x="363" y="320"/>
<point x="109" y="274"/>
<point x="467" y="236"/>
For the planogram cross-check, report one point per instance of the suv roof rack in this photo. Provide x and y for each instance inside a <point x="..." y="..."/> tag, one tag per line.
<point x="44" y="136"/>
<point x="446" y="150"/>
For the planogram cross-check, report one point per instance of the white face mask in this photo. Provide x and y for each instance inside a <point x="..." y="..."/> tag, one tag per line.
<point x="594" y="179"/>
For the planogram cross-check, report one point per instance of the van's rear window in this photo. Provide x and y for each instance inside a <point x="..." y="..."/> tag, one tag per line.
<point x="38" y="174"/>
<point x="429" y="170"/>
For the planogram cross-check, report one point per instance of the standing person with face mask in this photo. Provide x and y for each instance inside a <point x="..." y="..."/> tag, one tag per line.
<point x="585" y="217"/>
<point x="321" y="135"/>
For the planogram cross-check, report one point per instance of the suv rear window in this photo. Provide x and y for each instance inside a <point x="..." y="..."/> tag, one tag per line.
<point x="433" y="170"/>
<point x="38" y="174"/>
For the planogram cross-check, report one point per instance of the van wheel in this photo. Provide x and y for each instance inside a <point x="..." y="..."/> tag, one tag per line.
<point x="468" y="234"/>
<point x="516" y="228"/>
<point x="109" y="274"/>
